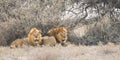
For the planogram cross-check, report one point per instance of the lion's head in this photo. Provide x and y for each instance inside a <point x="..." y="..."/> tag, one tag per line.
<point x="35" y="37"/>
<point x="59" y="33"/>
<point x="61" y="37"/>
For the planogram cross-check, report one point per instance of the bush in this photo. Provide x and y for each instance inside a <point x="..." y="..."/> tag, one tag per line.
<point x="19" y="16"/>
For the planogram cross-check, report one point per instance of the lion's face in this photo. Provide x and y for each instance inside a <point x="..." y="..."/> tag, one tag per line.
<point x="59" y="33"/>
<point x="61" y="37"/>
<point x="35" y="37"/>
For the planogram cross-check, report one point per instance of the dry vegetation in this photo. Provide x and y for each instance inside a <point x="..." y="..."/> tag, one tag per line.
<point x="101" y="52"/>
<point x="88" y="34"/>
<point x="17" y="17"/>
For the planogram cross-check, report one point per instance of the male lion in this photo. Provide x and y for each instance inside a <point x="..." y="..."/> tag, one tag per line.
<point x="60" y="34"/>
<point x="48" y="41"/>
<point x="19" y="43"/>
<point x="35" y="37"/>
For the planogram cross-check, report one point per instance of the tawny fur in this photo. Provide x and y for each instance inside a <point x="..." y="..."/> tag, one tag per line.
<point x="35" y="37"/>
<point x="48" y="41"/>
<point x="66" y="43"/>
<point x="60" y="34"/>
<point x="19" y="43"/>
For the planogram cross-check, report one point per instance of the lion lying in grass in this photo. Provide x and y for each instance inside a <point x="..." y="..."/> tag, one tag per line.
<point x="60" y="34"/>
<point x="19" y="43"/>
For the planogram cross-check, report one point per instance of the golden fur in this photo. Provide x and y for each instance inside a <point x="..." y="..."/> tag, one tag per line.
<point x="35" y="37"/>
<point x="60" y="33"/>
<point x="19" y="43"/>
<point x="48" y="41"/>
<point x="66" y="43"/>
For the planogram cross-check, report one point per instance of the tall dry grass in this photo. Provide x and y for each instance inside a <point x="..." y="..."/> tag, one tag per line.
<point x="17" y="17"/>
<point x="71" y="52"/>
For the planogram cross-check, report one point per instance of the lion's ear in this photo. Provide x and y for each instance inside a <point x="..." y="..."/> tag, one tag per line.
<point x="64" y="29"/>
<point x="32" y="30"/>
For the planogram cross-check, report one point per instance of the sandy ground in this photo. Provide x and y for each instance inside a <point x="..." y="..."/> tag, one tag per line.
<point x="101" y="52"/>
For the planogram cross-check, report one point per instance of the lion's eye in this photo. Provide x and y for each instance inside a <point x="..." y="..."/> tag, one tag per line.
<point x="36" y="35"/>
<point x="63" y="36"/>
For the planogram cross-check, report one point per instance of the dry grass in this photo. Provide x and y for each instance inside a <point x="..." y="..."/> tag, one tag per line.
<point x="17" y="17"/>
<point x="71" y="52"/>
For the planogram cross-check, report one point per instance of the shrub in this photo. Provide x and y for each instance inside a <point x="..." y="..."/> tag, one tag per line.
<point x="17" y="17"/>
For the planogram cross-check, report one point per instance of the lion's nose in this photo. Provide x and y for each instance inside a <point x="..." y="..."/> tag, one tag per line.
<point x="36" y="40"/>
<point x="63" y="40"/>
